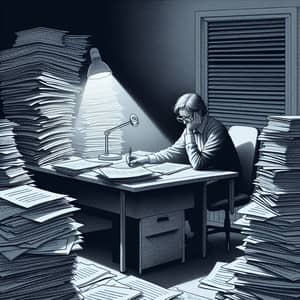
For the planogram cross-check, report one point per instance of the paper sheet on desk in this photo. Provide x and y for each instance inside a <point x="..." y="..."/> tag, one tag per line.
<point x="113" y="173"/>
<point x="167" y="168"/>
<point x="77" y="165"/>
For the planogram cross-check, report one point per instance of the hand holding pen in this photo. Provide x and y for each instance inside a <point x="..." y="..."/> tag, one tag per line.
<point x="133" y="161"/>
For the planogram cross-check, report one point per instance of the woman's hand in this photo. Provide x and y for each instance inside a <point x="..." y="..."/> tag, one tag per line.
<point x="138" y="160"/>
<point x="197" y="119"/>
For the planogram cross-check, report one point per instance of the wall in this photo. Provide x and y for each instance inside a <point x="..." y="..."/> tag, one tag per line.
<point x="149" y="44"/>
<point x="83" y="18"/>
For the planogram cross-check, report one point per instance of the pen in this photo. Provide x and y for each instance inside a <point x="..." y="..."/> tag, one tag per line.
<point x="129" y="157"/>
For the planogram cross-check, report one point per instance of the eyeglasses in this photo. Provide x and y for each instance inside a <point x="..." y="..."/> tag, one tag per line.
<point x="183" y="119"/>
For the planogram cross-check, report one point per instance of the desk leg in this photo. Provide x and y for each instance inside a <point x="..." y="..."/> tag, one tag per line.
<point x="122" y="231"/>
<point x="229" y="211"/>
<point x="183" y="238"/>
<point x="204" y="220"/>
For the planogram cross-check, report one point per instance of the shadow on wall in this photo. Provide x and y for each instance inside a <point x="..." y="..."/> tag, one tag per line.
<point x="146" y="136"/>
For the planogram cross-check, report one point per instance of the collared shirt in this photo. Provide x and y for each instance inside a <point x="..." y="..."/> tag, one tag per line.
<point x="208" y="147"/>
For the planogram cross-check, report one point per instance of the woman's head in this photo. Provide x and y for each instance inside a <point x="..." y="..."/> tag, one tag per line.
<point x="191" y="103"/>
<point x="190" y="110"/>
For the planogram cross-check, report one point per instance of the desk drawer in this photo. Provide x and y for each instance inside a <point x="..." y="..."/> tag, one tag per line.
<point x="161" y="223"/>
<point x="161" y="239"/>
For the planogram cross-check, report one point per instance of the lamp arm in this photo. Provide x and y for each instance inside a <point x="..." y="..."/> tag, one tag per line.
<point x="109" y="131"/>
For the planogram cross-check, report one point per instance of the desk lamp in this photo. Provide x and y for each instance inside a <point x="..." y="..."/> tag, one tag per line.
<point x="98" y="68"/>
<point x="134" y="121"/>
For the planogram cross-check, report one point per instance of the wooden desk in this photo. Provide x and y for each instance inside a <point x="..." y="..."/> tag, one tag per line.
<point x="188" y="179"/>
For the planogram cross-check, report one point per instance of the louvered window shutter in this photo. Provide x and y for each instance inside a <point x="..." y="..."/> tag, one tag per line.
<point x="246" y="70"/>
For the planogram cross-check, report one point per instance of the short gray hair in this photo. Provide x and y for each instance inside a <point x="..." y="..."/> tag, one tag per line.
<point x="191" y="102"/>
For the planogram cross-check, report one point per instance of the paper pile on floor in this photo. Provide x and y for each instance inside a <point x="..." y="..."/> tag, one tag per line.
<point x="99" y="282"/>
<point x="270" y="267"/>
<point x="37" y="236"/>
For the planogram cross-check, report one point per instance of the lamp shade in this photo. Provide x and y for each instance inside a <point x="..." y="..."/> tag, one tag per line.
<point x="98" y="68"/>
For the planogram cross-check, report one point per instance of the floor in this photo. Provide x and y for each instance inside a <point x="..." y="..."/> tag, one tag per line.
<point x="97" y="247"/>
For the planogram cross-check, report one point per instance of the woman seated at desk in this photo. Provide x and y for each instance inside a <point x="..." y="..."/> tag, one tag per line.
<point x="204" y="143"/>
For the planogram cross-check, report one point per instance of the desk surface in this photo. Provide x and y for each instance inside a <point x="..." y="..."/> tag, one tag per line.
<point x="188" y="176"/>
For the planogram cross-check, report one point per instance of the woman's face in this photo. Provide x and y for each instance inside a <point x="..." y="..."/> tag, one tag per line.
<point x="191" y="119"/>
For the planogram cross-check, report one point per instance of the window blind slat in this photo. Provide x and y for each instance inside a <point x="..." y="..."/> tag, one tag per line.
<point x="245" y="66"/>
<point x="246" y="96"/>
<point x="218" y="75"/>
<point x="249" y="82"/>
<point x="215" y="33"/>
<point x="246" y="26"/>
<point x="251" y="108"/>
<point x="237" y="49"/>
<point x="248" y="59"/>
<point x="247" y="55"/>
<point x="243" y="107"/>
<point x="230" y="76"/>
<point x="249" y="93"/>
<point x="255" y="115"/>
<point x="239" y="100"/>
<point x="245" y="37"/>
<point x="246" y="88"/>
<point x="246" y="22"/>
<point x="235" y="42"/>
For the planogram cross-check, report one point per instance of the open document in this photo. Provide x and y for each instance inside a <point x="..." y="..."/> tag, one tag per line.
<point x="77" y="165"/>
<point x="167" y="168"/>
<point x="125" y="174"/>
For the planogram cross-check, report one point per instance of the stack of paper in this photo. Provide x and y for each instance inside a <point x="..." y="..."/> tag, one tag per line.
<point x="280" y="143"/>
<point x="37" y="235"/>
<point x="100" y="110"/>
<point x="270" y="267"/>
<point x="40" y="86"/>
<point x="12" y="172"/>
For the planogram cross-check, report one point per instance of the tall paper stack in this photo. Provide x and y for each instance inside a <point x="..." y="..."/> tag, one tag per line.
<point x="40" y="86"/>
<point x="37" y="236"/>
<point x="12" y="172"/>
<point x="270" y="267"/>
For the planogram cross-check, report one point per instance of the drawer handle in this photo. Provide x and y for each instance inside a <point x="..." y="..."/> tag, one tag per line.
<point x="163" y="219"/>
<point x="160" y="233"/>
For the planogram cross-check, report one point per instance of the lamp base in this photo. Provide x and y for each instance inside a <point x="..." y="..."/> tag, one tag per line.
<point x="110" y="156"/>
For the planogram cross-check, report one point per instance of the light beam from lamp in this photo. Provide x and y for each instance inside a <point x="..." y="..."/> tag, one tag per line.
<point x="134" y="121"/>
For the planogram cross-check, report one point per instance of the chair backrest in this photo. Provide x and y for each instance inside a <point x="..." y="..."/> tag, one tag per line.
<point x="245" y="139"/>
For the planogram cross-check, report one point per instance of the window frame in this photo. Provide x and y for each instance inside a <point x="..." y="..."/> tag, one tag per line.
<point x="291" y="53"/>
